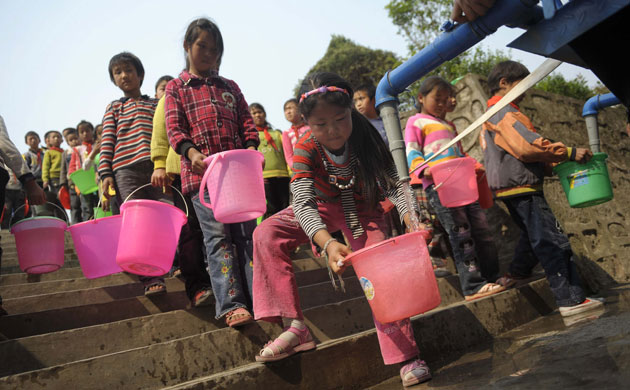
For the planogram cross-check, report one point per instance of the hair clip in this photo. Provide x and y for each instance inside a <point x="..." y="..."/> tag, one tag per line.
<point x="322" y="89"/>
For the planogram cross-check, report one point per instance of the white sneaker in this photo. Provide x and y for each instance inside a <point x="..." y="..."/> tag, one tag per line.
<point x="588" y="304"/>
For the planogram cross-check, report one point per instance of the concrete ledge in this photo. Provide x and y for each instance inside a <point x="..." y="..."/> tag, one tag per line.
<point x="448" y="330"/>
<point x="36" y="303"/>
<point x="64" y="285"/>
<point x="19" y="277"/>
<point x="30" y="324"/>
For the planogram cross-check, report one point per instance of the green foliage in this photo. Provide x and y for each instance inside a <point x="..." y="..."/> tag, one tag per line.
<point x="418" y="20"/>
<point x="576" y="88"/>
<point x="357" y="64"/>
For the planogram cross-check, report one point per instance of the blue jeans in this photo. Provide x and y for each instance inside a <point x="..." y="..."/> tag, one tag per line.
<point x="229" y="254"/>
<point x="542" y="239"/>
<point x="475" y="253"/>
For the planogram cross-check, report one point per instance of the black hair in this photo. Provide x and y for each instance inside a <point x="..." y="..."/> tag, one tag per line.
<point x="69" y="130"/>
<point x="258" y="106"/>
<point x="369" y="89"/>
<point x="85" y="123"/>
<point x="511" y="71"/>
<point x="432" y="82"/>
<point x="292" y="100"/>
<point x="192" y="33"/>
<point x="126" y="58"/>
<point x="367" y="144"/>
<point x="31" y="134"/>
<point x="166" y="78"/>
<point x="48" y="133"/>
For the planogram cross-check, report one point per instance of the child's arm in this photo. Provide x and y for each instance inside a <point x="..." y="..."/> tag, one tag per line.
<point x="249" y="133"/>
<point x="159" y="147"/>
<point x="46" y="164"/>
<point x="63" y="174"/>
<point x="414" y="142"/>
<point x="178" y="128"/>
<point x="287" y="148"/>
<point x="108" y="143"/>
<point x="516" y="135"/>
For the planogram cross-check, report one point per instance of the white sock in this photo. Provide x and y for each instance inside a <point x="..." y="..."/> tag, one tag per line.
<point x="287" y="336"/>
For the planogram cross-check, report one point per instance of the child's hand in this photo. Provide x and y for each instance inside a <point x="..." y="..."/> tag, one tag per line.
<point x="427" y="173"/>
<point x="196" y="159"/>
<point x="105" y="204"/>
<point x="582" y="155"/>
<point x="337" y="251"/>
<point x="159" y="178"/>
<point x="45" y="185"/>
<point x="34" y="193"/>
<point x="105" y="186"/>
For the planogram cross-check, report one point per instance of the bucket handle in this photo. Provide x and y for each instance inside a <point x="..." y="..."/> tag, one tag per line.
<point x="148" y="184"/>
<point x="65" y="216"/>
<point x="449" y="176"/>
<point x="204" y="180"/>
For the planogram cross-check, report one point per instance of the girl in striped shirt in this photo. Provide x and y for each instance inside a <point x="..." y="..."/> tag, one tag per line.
<point x="342" y="170"/>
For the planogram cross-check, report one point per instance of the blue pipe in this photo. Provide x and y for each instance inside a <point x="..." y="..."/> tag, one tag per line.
<point x="590" y="111"/>
<point x="513" y="13"/>
<point x="456" y="40"/>
<point x="599" y="102"/>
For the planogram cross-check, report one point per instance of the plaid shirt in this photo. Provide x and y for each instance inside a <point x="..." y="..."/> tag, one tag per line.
<point x="209" y="114"/>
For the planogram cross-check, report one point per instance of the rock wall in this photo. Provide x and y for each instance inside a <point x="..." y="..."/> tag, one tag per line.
<point x="599" y="234"/>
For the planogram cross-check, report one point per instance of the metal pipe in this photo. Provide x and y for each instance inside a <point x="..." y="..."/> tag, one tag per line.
<point x="456" y="40"/>
<point x="590" y="111"/>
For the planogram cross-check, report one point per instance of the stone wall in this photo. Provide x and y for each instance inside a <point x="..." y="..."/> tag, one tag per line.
<point x="599" y="234"/>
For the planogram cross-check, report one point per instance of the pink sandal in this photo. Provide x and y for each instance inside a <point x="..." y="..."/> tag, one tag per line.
<point x="282" y="349"/>
<point x="414" y="373"/>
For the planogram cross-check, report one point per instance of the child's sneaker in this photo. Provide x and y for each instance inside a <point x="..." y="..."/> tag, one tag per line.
<point x="414" y="373"/>
<point x="439" y="267"/>
<point x="588" y="304"/>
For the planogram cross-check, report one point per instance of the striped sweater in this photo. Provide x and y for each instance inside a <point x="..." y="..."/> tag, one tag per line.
<point x="316" y="171"/>
<point x="425" y="135"/>
<point x="126" y="138"/>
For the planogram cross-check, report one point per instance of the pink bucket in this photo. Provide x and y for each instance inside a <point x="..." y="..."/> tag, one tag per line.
<point x="40" y="244"/>
<point x="397" y="277"/>
<point x="456" y="182"/>
<point x="235" y="184"/>
<point x="149" y="233"/>
<point x="96" y="242"/>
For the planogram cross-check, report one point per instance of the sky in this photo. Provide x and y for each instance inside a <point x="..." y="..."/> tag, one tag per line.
<point x="54" y="54"/>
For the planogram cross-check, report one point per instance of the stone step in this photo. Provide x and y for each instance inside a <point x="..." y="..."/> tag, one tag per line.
<point x="20" y="277"/>
<point x="328" y="321"/>
<point x="64" y="285"/>
<point x="211" y="360"/>
<point x="84" y="297"/>
<point x="70" y="262"/>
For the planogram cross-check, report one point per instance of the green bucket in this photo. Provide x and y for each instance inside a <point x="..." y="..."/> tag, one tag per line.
<point x="85" y="181"/>
<point x="586" y="184"/>
<point x="99" y="213"/>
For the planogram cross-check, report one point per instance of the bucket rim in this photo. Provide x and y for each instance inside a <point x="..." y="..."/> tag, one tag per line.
<point x="566" y="165"/>
<point x="140" y="202"/>
<point x="93" y="221"/>
<point x="41" y="217"/>
<point x="350" y="258"/>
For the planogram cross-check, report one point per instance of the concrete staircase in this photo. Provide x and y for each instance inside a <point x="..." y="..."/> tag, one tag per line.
<point x="68" y="332"/>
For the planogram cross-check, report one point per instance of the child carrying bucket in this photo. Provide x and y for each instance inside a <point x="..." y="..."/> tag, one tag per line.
<point x="516" y="159"/>
<point x="207" y="114"/>
<point x="475" y="253"/>
<point x="342" y="170"/>
<point x="125" y="159"/>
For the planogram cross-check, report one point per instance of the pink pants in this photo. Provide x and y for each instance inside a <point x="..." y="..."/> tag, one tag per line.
<point x="275" y="291"/>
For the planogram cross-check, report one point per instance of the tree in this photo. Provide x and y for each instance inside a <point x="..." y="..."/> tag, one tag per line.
<point x="576" y="88"/>
<point x="355" y="63"/>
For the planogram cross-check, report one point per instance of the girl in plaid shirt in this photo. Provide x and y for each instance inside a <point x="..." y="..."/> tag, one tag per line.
<point x="207" y="114"/>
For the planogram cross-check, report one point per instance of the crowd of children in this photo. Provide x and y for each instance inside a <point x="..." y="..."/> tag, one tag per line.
<point x="330" y="171"/>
